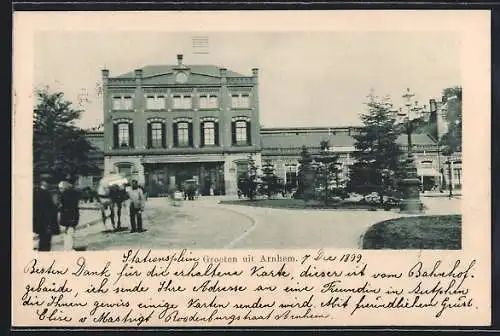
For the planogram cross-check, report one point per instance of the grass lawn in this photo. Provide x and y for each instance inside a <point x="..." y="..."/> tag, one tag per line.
<point x="421" y="232"/>
<point x="290" y="203"/>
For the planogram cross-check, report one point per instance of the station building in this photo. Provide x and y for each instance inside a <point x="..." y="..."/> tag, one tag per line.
<point x="164" y="124"/>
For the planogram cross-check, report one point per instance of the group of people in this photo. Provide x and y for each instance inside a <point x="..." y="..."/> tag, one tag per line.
<point x="59" y="212"/>
<point x="51" y="211"/>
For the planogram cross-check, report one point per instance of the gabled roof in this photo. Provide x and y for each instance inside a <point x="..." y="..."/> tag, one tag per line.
<point x="153" y="70"/>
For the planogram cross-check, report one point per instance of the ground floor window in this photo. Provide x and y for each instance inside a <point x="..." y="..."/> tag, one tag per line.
<point x="291" y="176"/>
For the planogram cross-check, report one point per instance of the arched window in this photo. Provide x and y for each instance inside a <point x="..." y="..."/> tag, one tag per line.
<point x="209" y="131"/>
<point x="123" y="135"/>
<point x="183" y="133"/>
<point x="241" y="131"/>
<point x="156" y="134"/>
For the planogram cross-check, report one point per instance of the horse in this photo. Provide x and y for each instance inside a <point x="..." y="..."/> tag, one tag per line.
<point x="112" y="197"/>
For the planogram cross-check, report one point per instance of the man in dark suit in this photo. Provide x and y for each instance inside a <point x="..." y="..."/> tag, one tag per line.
<point x="69" y="211"/>
<point x="44" y="214"/>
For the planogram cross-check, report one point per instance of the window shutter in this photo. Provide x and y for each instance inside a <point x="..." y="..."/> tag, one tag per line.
<point x="233" y="132"/>
<point x="202" y="134"/>
<point x="216" y="129"/>
<point x="131" y="135"/>
<point x="164" y="135"/>
<point x="115" y="136"/>
<point x="149" y="136"/>
<point x="190" y="134"/>
<point x="249" y="133"/>
<point x="176" y="135"/>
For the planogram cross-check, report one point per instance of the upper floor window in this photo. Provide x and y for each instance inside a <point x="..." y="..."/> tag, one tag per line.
<point x="182" y="102"/>
<point x="155" y="102"/>
<point x="209" y="133"/>
<point x="241" y="132"/>
<point x="240" y="101"/>
<point x="183" y="134"/>
<point x="122" y="103"/>
<point x="123" y="135"/>
<point x="208" y="101"/>
<point x="156" y="135"/>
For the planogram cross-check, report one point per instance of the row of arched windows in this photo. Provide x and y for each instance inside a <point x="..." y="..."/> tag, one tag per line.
<point x="182" y="131"/>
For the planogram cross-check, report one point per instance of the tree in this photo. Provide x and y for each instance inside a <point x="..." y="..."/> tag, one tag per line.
<point x="306" y="176"/>
<point x="251" y="180"/>
<point x="451" y="141"/>
<point x="270" y="185"/>
<point x="327" y="170"/>
<point x="59" y="147"/>
<point x="376" y="150"/>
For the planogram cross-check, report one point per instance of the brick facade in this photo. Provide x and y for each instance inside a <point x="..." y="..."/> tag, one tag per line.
<point x="167" y="124"/>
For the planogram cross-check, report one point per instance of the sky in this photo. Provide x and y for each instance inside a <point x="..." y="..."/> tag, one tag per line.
<point x="306" y="78"/>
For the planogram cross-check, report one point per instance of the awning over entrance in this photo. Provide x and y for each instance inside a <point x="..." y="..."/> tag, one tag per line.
<point x="427" y="172"/>
<point x="183" y="158"/>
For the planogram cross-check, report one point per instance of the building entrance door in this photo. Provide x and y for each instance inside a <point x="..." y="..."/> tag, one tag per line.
<point x="186" y="173"/>
<point x="157" y="181"/>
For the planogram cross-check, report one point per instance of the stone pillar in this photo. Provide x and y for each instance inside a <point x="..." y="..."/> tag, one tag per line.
<point x="140" y="174"/>
<point x="138" y="117"/>
<point x="255" y="110"/>
<point x="106" y="101"/>
<point x="170" y="128"/>
<point x="196" y="119"/>
<point x="225" y="112"/>
<point x="258" y="162"/>
<point x="108" y="165"/>
<point x="196" y="131"/>
<point x="231" y="185"/>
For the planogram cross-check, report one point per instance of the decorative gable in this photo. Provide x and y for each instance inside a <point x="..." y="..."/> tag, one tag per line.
<point x="169" y="79"/>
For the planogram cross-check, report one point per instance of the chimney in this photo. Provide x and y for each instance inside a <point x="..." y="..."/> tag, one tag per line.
<point x="223" y="72"/>
<point x="179" y="59"/>
<point x="105" y="77"/>
<point x="432" y="105"/>
<point x="138" y="77"/>
<point x="255" y="72"/>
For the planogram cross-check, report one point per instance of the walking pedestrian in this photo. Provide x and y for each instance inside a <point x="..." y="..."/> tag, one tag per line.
<point x="44" y="215"/>
<point x="137" y="203"/>
<point x="70" y="212"/>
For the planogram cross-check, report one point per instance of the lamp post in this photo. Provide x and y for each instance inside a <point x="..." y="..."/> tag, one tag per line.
<point x="450" y="182"/>
<point x="410" y="184"/>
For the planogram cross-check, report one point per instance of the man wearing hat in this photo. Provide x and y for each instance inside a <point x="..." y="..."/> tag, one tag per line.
<point x="70" y="212"/>
<point x="44" y="216"/>
<point x="137" y="202"/>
